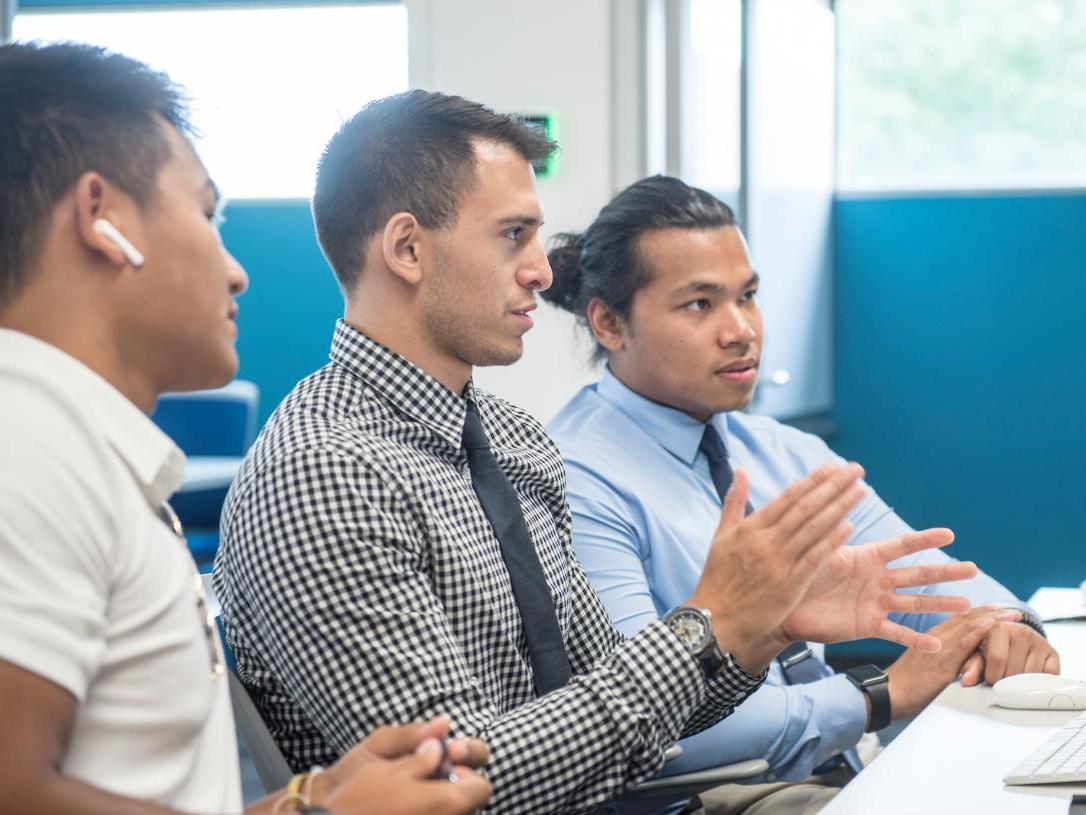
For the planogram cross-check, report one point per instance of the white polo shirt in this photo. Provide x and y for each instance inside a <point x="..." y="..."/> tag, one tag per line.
<point x="96" y="593"/>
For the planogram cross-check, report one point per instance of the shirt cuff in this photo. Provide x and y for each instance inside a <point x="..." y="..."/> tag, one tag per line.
<point x="738" y="678"/>
<point x="656" y="656"/>
<point x="841" y="712"/>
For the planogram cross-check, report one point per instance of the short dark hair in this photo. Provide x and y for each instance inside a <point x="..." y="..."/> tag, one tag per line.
<point x="70" y="109"/>
<point x="604" y="262"/>
<point x="412" y="152"/>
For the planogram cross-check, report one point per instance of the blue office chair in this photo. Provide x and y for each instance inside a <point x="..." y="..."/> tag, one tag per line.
<point x="214" y="429"/>
<point x="219" y="422"/>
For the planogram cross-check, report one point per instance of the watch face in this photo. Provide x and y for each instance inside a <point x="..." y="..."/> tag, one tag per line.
<point x="867" y="675"/>
<point x="690" y="627"/>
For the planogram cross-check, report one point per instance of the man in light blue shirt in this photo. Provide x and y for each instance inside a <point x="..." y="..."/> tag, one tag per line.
<point x="664" y="282"/>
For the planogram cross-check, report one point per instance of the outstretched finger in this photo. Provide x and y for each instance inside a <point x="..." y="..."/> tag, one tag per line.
<point x="772" y="512"/>
<point x="903" y="635"/>
<point x="928" y="603"/>
<point x="812" y="534"/>
<point x="825" y="505"/>
<point x="907" y="576"/>
<point x="735" y="502"/>
<point x="912" y="542"/>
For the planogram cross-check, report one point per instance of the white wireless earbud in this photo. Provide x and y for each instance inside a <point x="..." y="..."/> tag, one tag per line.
<point x="108" y="230"/>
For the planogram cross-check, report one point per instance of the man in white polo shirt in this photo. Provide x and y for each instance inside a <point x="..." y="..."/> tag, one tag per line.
<point x="114" y="286"/>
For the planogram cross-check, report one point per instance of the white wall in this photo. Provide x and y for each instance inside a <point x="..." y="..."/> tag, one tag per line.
<point x="558" y="57"/>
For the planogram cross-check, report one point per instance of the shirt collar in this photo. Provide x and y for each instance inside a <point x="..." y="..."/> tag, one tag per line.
<point x="402" y="383"/>
<point x="675" y="431"/>
<point x="156" y="463"/>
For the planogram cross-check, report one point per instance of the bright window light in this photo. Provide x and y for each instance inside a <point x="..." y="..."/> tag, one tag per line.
<point x="961" y="94"/>
<point x="710" y="109"/>
<point x="269" y="85"/>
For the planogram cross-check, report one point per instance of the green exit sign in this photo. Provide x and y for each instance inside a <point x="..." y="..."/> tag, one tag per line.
<point x="544" y="123"/>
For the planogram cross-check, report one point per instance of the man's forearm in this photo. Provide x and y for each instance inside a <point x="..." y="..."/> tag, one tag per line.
<point x="605" y="731"/>
<point x="61" y="795"/>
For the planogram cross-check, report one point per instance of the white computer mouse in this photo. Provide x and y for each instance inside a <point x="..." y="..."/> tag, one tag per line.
<point x="1041" y="692"/>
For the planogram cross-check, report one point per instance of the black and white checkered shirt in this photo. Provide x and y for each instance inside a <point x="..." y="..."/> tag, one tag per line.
<point x="362" y="585"/>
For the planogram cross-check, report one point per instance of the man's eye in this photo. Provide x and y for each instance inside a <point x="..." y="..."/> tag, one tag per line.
<point x="749" y="295"/>
<point x="515" y="233"/>
<point x="700" y="304"/>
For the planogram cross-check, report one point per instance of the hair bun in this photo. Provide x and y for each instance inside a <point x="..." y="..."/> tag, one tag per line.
<point x="565" y="260"/>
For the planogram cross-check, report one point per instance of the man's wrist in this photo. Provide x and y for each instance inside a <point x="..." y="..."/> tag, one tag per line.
<point x="1028" y="618"/>
<point x="874" y="683"/>
<point x="753" y="657"/>
<point x="322" y="785"/>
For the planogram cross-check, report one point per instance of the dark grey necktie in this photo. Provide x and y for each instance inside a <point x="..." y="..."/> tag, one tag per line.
<point x="712" y="447"/>
<point x="797" y="662"/>
<point x="550" y="662"/>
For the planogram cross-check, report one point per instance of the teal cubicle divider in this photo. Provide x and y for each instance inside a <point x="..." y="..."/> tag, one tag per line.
<point x="960" y="371"/>
<point x="286" y="319"/>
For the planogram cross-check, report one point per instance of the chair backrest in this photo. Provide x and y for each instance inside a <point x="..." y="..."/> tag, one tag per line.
<point x="219" y="422"/>
<point x="270" y="765"/>
<point x="268" y="760"/>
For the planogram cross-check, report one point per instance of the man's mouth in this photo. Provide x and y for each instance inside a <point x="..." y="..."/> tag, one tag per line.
<point x="742" y="370"/>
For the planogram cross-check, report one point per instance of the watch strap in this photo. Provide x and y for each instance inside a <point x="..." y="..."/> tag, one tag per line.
<point x="878" y="693"/>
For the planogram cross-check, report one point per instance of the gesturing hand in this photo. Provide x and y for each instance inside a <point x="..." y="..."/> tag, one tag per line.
<point x="759" y="567"/>
<point x="854" y="590"/>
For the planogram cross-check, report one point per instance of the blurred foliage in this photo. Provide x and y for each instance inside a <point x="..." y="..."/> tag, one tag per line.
<point x="962" y="93"/>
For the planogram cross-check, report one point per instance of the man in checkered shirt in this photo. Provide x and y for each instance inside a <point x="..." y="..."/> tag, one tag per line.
<point x="360" y="580"/>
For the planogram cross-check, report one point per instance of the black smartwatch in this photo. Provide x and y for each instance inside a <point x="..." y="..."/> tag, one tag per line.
<point x="694" y="628"/>
<point x="875" y="685"/>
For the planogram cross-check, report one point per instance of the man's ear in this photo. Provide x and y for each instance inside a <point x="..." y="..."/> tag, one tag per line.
<point x="400" y="247"/>
<point x="608" y="326"/>
<point x="95" y="198"/>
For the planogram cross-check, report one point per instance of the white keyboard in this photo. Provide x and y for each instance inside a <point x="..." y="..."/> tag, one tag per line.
<point x="1060" y="759"/>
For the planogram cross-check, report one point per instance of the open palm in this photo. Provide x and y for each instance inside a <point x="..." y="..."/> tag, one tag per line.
<point x="855" y="588"/>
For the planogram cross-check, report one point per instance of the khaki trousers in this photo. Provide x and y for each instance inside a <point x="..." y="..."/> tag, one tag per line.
<point x="786" y="798"/>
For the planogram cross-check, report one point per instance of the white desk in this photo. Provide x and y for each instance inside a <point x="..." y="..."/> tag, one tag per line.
<point x="951" y="760"/>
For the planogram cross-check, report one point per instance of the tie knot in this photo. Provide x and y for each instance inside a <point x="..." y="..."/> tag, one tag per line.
<point x="474" y="437"/>
<point x="712" y="446"/>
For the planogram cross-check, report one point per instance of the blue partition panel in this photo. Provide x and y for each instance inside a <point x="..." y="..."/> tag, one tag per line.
<point x="287" y="316"/>
<point x="960" y="371"/>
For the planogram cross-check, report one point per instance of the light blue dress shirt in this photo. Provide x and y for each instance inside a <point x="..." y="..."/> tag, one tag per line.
<point x="644" y="511"/>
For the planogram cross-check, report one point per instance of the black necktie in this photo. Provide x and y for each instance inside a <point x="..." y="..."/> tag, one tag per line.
<point x="712" y="447"/>
<point x="550" y="663"/>
<point x="796" y="661"/>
